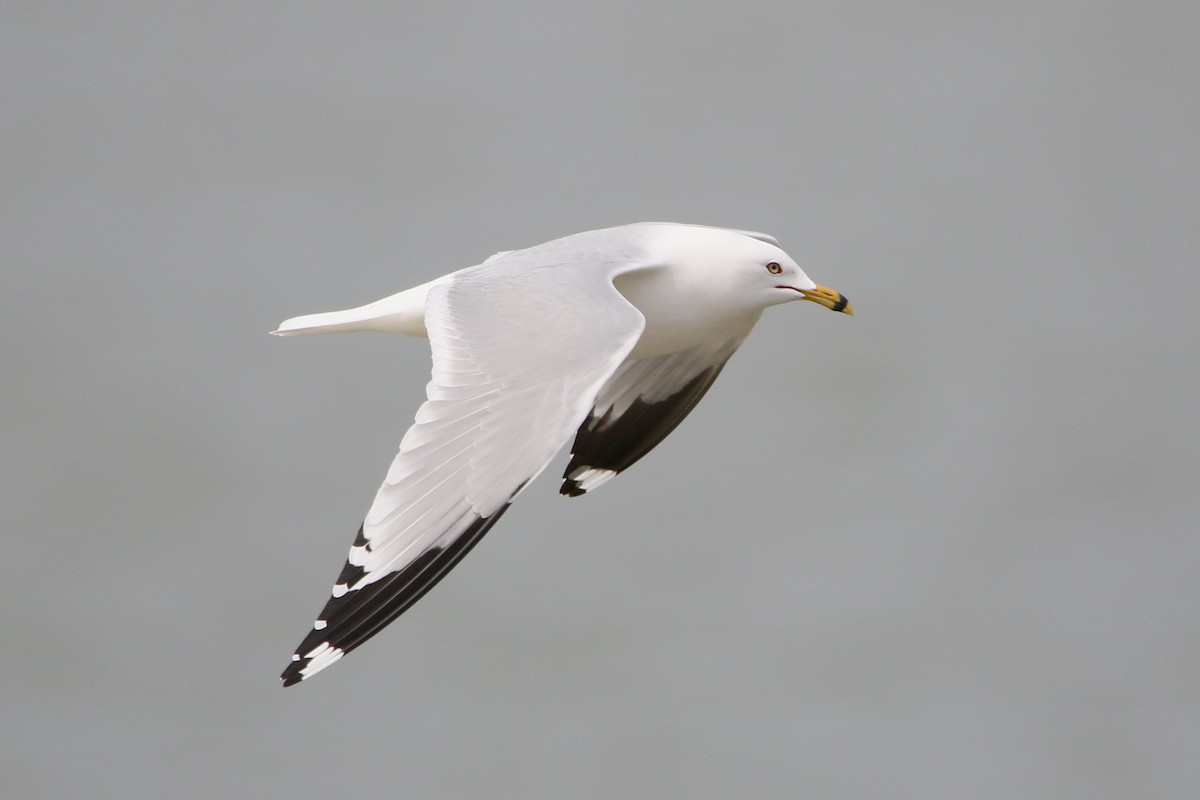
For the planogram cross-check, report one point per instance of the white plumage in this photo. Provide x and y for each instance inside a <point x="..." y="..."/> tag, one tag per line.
<point x="612" y="335"/>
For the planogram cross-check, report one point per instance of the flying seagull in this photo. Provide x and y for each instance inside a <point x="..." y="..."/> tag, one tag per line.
<point x="611" y="335"/>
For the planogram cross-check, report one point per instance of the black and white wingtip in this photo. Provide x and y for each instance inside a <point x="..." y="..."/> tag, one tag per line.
<point x="309" y="664"/>
<point x="584" y="479"/>
<point x="613" y="438"/>
<point x="362" y="603"/>
<point x="318" y="650"/>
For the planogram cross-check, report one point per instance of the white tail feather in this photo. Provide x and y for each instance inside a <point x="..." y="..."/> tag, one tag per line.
<point x="399" y="313"/>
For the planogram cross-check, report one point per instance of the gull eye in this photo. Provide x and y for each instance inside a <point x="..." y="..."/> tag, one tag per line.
<point x="774" y="268"/>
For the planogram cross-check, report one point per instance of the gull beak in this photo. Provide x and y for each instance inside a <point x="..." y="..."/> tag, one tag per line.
<point x="830" y="298"/>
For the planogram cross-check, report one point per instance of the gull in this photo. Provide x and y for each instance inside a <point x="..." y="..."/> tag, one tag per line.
<point x="610" y="335"/>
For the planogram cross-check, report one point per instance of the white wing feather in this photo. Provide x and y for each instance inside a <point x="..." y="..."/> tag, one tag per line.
<point x="521" y="346"/>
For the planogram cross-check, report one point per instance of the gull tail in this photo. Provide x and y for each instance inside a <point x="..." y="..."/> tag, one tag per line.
<point x="399" y="313"/>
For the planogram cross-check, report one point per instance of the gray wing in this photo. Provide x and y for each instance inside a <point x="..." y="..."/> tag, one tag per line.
<point x="520" y="351"/>
<point x="643" y="402"/>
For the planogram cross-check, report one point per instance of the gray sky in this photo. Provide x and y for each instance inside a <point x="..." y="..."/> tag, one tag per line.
<point x="946" y="548"/>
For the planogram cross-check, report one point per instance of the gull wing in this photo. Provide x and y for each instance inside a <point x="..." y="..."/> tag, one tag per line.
<point x="643" y="402"/>
<point x="521" y="346"/>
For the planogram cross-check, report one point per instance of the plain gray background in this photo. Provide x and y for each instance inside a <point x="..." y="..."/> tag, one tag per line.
<point x="947" y="548"/>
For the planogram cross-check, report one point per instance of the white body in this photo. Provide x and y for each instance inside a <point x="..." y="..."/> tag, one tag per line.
<point x="610" y="335"/>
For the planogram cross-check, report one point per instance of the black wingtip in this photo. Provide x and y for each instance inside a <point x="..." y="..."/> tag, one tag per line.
<point x="354" y="616"/>
<point x="570" y="488"/>
<point x="294" y="672"/>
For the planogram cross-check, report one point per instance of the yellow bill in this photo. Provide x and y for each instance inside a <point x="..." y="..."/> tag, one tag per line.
<point x="830" y="298"/>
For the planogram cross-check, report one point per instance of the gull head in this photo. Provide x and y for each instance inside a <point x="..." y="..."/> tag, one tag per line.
<point x="784" y="281"/>
<point x="701" y="284"/>
<point x="746" y="268"/>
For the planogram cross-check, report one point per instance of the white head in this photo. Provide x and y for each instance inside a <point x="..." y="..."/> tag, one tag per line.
<point x="741" y="265"/>
<point x="709" y="285"/>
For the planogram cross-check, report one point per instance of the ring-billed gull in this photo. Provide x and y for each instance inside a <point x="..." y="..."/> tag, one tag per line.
<point x="611" y="335"/>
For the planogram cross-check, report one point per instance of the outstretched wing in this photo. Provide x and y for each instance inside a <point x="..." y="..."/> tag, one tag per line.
<point x="643" y="402"/>
<point x="520" y="348"/>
